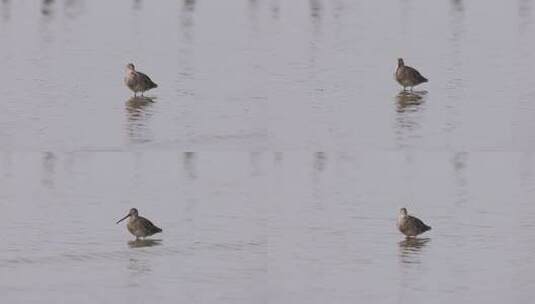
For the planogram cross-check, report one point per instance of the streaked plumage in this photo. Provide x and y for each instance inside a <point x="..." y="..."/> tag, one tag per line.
<point x="137" y="81"/>
<point x="409" y="225"/>
<point x="407" y="76"/>
<point x="138" y="225"/>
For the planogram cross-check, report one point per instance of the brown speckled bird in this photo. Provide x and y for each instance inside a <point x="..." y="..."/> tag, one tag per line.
<point x="409" y="225"/>
<point x="137" y="81"/>
<point x="408" y="76"/>
<point x="138" y="225"/>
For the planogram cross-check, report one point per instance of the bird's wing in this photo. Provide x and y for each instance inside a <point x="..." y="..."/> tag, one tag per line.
<point x="148" y="225"/>
<point x="146" y="79"/>
<point x="418" y="222"/>
<point x="415" y="73"/>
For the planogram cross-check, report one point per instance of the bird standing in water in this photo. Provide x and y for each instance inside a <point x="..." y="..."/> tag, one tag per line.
<point x="408" y="76"/>
<point x="409" y="225"/>
<point x="138" y="225"/>
<point x="137" y="81"/>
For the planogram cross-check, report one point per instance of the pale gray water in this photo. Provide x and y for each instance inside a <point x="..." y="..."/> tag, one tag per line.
<point x="239" y="79"/>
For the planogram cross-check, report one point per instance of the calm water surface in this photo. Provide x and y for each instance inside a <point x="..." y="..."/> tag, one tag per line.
<point x="239" y="79"/>
<point x="288" y="227"/>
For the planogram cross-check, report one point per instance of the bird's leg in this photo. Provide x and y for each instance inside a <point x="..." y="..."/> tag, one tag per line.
<point x="141" y="93"/>
<point x="135" y="94"/>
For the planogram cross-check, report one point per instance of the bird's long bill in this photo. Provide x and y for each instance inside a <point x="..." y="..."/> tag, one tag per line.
<point x="124" y="218"/>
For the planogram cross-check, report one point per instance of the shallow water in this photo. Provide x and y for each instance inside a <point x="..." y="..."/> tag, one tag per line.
<point x="289" y="227"/>
<point x="238" y="80"/>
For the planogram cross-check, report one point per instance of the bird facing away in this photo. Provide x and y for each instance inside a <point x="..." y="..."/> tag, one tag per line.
<point x="137" y="81"/>
<point x="408" y="76"/>
<point x="410" y="225"/>
<point x="138" y="225"/>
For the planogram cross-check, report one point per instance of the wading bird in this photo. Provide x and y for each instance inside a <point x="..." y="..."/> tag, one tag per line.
<point x="138" y="225"/>
<point x="409" y="225"/>
<point x="408" y="76"/>
<point x="137" y="81"/>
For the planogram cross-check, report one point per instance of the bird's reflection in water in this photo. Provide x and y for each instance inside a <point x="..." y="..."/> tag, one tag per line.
<point x="410" y="249"/>
<point x="49" y="165"/>
<point x="137" y="103"/>
<point x="320" y="161"/>
<point x="189" y="5"/>
<point x="5" y="10"/>
<point x="138" y="112"/>
<point x="524" y="13"/>
<point x="410" y="100"/>
<point x="190" y="165"/>
<point x="137" y="4"/>
<point x="459" y="162"/>
<point x="253" y="4"/>
<point x="137" y="108"/>
<point x="458" y="5"/>
<point x="275" y="9"/>
<point x="46" y="7"/>
<point x="315" y="8"/>
<point x="74" y="8"/>
<point x="409" y="113"/>
<point x="278" y="157"/>
<point x="144" y="243"/>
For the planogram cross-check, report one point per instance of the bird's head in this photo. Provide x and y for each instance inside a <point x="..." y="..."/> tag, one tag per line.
<point x="130" y="67"/>
<point x="132" y="212"/>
